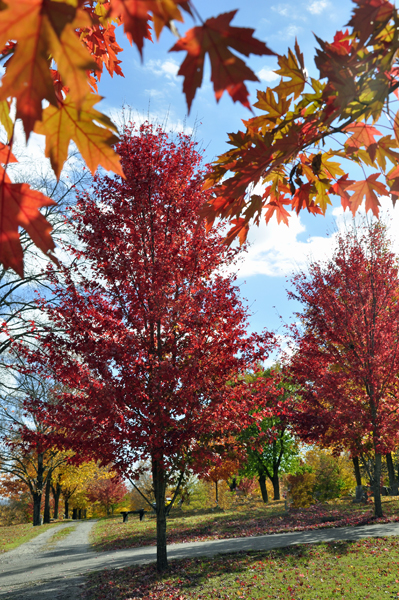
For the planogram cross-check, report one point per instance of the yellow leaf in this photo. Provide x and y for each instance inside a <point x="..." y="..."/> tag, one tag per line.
<point x="289" y="68"/>
<point x="43" y="30"/>
<point x="274" y="108"/>
<point x="5" y="118"/>
<point x="65" y="123"/>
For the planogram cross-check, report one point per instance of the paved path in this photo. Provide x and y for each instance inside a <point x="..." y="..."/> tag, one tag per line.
<point x="34" y="572"/>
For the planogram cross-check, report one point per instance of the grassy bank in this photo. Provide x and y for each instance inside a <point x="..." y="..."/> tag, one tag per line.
<point x="243" y="521"/>
<point x="13" y="536"/>
<point x="366" y="569"/>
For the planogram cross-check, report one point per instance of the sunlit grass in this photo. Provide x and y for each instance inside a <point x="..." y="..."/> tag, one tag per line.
<point x="13" y="536"/>
<point x="243" y="521"/>
<point x="368" y="568"/>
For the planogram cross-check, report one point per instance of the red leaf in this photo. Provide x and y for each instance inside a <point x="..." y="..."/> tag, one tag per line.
<point x="216" y="37"/>
<point x="19" y="206"/>
<point x="135" y="17"/>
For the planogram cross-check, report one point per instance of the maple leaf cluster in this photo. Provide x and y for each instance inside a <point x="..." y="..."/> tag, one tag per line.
<point x="55" y="52"/>
<point x="308" y="127"/>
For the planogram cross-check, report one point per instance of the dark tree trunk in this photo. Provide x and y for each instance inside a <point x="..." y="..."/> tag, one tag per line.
<point x="356" y="466"/>
<point x="276" y="486"/>
<point x="376" y="485"/>
<point x="74" y="514"/>
<point x="66" y="508"/>
<point x="46" y="514"/>
<point x="263" y="488"/>
<point x="37" y="494"/>
<point x="158" y="477"/>
<point x="217" y="493"/>
<point x="79" y="513"/>
<point x="393" y="482"/>
<point x="56" y="496"/>
<point x="37" y="503"/>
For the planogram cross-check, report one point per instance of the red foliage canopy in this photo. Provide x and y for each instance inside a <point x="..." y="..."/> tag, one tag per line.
<point x="152" y="326"/>
<point x="346" y="355"/>
<point x="107" y="491"/>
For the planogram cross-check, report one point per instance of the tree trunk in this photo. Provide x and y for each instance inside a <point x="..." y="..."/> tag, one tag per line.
<point x="74" y="514"/>
<point x="37" y="503"/>
<point x="276" y="486"/>
<point x="66" y="508"/>
<point x="37" y="494"/>
<point x="263" y="488"/>
<point x="376" y="485"/>
<point x="393" y="482"/>
<point x="356" y="466"/>
<point x="158" y="477"/>
<point x="217" y="493"/>
<point x="46" y="514"/>
<point x="56" y="496"/>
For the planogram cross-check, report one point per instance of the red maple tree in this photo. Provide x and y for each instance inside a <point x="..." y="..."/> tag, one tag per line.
<point x="346" y="352"/>
<point x="153" y="330"/>
<point x="107" y="492"/>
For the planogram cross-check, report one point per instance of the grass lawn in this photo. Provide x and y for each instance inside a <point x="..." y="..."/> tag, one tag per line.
<point x="243" y="521"/>
<point x="13" y="536"/>
<point x="366" y="569"/>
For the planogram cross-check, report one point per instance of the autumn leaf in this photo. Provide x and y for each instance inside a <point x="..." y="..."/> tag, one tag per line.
<point x="5" y="118"/>
<point x="297" y="77"/>
<point x="135" y="18"/>
<point x="42" y="29"/>
<point x="65" y="123"/>
<point x="367" y="14"/>
<point x="363" y="135"/>
<point x="166" y="11"/>
<point x="6" y="156"/>
<point x="274" y="108"/>
<point x="340" y="189"/>
<point x="215" y="38"/>
<point x="277" y="208"/>
<point x="19" y="206"/>
<point x="239" y="229"/>
<point x="367" y="189"/>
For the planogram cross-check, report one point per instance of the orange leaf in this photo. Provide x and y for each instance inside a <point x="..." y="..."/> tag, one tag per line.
<point x="367" y="189"/>
<point x="297" y="78"/>
<point x="6" y="156"/>
<point x="19" y="206"/>
<point x="363" y="135"/>
<point x="340" y="188"/>
<point x="216" y="37"/>
<point x="239" y="229"/>
<point x="396" y="127"/>
<point x="165" y="11"/>
<point x="277" y="208"/>
<point x="65" y="123"/>
<point x="42" y="29"/>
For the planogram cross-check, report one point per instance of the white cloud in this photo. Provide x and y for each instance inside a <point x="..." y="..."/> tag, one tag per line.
<point x="167" y="68"/>
<point x="278" y="250"/>
<point x="282" y="9"/>
<point x="318" y="6"/>
<point x="290" y="31"/>
<point x="266" y="74"/>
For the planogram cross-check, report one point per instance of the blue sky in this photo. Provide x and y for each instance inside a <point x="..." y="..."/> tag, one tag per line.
<point x="152" y="88"/>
